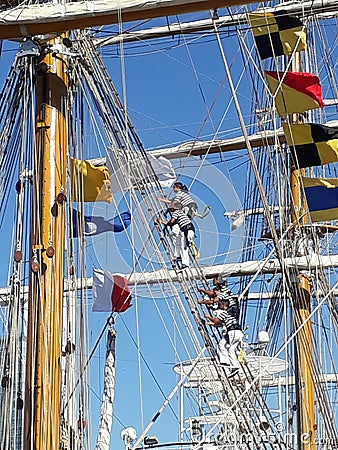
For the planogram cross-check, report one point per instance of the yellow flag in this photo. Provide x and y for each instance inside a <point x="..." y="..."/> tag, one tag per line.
<point x="89" y="183"/>
<point x="312" y="144"/>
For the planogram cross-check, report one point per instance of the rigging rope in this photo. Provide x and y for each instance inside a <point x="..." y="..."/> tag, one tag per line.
<point x="187" y="282"/>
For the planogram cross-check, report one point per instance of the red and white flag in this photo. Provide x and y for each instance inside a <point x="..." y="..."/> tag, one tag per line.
<point x="110" y="292"/>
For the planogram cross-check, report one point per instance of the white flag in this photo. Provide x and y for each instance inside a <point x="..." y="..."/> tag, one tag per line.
<point x="126" y="169"/>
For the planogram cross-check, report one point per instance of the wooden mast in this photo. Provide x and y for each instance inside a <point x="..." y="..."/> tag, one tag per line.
<point x="302" y="308"/>
<point x="42" y="408"/>
<point x="303" y="342"/>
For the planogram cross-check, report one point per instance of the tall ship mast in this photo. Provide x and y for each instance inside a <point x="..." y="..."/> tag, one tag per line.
<point x="112" y="116"/>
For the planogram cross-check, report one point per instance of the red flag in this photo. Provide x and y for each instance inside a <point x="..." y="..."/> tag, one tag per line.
<point x="299" y="91"/>
<point x="110" y="292"/>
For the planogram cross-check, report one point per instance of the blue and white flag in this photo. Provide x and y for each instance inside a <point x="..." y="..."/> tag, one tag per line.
<point x="94" y="225"/>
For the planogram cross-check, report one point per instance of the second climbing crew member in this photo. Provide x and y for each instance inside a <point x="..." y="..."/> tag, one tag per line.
<point x="220" y="292"/>
<point x="189" y="206"/>
<point x="183" y="232"/>
<point x="232" y="336"/>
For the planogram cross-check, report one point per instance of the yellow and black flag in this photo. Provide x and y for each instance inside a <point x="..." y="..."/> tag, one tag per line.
<point x="295" y="92"/>
<point x="312" y="144"/>
<point x="277" y="33"/>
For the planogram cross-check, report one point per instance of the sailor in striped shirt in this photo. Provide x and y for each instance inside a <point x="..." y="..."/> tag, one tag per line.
<point x="183" y="232"/>
<point x="232" y="335"/>
<point x="226" y="294"/>
<point x="182" y="196"/>
<point x="210" y="292"/>
<point x="221" y="292"/>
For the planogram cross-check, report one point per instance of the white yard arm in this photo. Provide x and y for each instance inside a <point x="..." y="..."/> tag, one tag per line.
<point x="176" y="29"/>
<point x="270" y="266"/>
<point x="44" y="18"/>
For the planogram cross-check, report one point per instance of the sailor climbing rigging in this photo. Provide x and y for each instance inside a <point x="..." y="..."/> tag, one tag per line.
<point x="226" y="294"/>
<point x="232" y="336"/>
<point x="183" y="232"/>
<point x="210" y="292"/>
<point x="220" y="292"/>
<point x="189" y="206"/>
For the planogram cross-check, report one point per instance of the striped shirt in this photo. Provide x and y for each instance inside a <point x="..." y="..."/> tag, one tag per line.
<point x="181" y="218"/>
<point x="229" y="322"/>
<point x="233" y="307"/>
<point x="184" y="198"/>
<point x="225" y="294"/>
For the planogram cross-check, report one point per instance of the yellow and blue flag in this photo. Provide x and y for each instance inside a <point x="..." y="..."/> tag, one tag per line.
<point x="322" y="198"/>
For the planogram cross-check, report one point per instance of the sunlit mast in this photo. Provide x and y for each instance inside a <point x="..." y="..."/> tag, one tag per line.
<point x="303" y="342"/>
<point x="301" y="306"/>
<point x="42" y="405"/>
